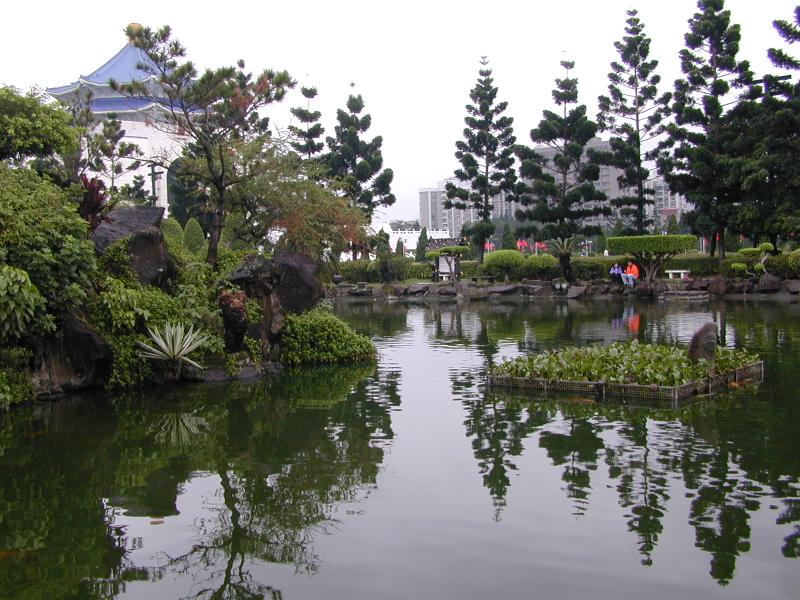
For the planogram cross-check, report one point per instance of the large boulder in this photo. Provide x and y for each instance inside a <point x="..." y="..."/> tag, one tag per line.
<point x="141" y="225"/>
<point x="576" y="291"/>
<point x="75" y="358"/>
<point x="447" y="291"/>
<point x="299" y="288"/>
<point x="769" y="283"/>
<point x="793" y="285"/>
<point x="503" y="289"/>
<point x="719" y="286"/>
<point x="418" y="289"/>
<point x="698" y="285"/>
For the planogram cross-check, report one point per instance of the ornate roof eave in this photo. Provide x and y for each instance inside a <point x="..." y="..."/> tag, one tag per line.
<point x="72" y="87"/>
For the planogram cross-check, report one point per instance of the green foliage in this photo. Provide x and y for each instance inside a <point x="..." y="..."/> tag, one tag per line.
<point x="116" y="262"/>
<point x="509" y="240"/>
<point x="698" y="264"/>
<point x="540" y="266"/>
<point x="557" y="189"/>
<point x="356" y="163"/>
<point x="469" y="268"/>
<point x="194" y="238"/>
<point x="306" y="143"/>
<point x="173" y="232"/>
<point x="622" y="362"/>
<point x="651" y="244"/>
<point x="503" y="263"/>
<point x="30" y="128"/>
<point x="758" y="268"/>
<point x="129" y="369"/>
<point x="423" y="270"/>
<point x="422" y="245"/>
<point x="15" y="378"/>
<point x="751" y="252"/>
<point x="399" y="267"/>
<point x="737" y="269"/>
<point x="173" y="345"/>
<point x="20" y="304"/>
<point x="782" y="266"/>
<point x="766" y="248"/>
<point x="41" y="233"/>
<point x="354" y="271"/>
<point x="322" y="338"/>
<point x="793" y="261"/>
<point x="486" y="156"/>
<point x="453" y="250"/>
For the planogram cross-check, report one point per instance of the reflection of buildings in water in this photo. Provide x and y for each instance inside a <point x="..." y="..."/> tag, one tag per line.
<point x="680" y="327"/>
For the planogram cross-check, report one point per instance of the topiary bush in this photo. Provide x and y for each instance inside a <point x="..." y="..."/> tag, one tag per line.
<point x="539" y="266"/>
<point x="766" y="248"/>
<point x="319" y="337"/>
<point x="194" y="238"/>
<point x="502" y="263"/>
<point x="20" y="304"/>
<point x="737" y="269"/>
<point x="759" y="268"/>
<point x="423" y="270"/>
<point x="793" y="262"/>
<point x="781" y="266"/>
<point x="750" y="252"/>
<point x="469" y="268"/>
<point x="173" y="232"/>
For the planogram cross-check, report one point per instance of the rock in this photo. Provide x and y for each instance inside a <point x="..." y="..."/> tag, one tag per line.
<point x="447" y="291"/>
<point x="150" y="260"/>
<point x="645" y="288"/>
<point x="576" y="291"/>
<point x="769" y="283"/>
<point x="359" y="292"/>
<point x="747" y="286"/>
<point x="503" y="289"/>
<point x="257" y="276"/>
<point x="337" y="279"/>
<point x="400" y="289"/>
<point x="698" y="285"/>
<point x="418" y="289"/>
<point x="234" y="318"/>
<point x="477" y="293"/>
<point x="793" y="285"/>
<point x="299" y="288"/>
<point x="76" y="358"/>
<point x="719" y="286"/>
<point x="704" y="343"/>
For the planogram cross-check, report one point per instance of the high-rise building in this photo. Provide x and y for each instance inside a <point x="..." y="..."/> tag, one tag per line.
<point x="433" y="215"/>
<point x="666" y="203"/>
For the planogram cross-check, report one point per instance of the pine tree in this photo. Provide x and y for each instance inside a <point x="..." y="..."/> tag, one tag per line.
<point x="422" y="245"/>
<point x="509" y="240"/>
<point x="791" y="33"/>
<point x="357" y="163"/>
<point x="632" y="113"/>
<point x="486" y="157"/>
<point x="306" y="143"/>
<point x="692" y="156"/>
<point x="400" y="248"/>
<point x="561" y="191"/>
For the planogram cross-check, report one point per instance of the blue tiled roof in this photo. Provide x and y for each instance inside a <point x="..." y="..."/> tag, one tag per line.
<point x="122" y="68"/>
<point x="120" y="104"/>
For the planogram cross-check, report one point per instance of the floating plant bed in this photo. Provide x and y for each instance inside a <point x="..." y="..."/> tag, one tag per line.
<point x="664" y="373"/>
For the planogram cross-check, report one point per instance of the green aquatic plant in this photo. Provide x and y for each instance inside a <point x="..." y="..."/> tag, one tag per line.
<point x="173" y="346"/>
<point x="631" y="362"/>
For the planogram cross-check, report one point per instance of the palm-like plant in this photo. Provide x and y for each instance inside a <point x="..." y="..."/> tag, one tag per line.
<point x="173" y="346"/>
<point x="563" y="249"/>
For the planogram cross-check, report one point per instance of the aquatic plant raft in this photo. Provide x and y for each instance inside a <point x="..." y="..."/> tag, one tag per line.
<point x="627" y="371"/>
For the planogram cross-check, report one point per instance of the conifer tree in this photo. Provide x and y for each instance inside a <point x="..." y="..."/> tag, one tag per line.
<point x="358" y="164"/>
<point x="400" y="248"/>
<point x="422" y="245"/>
<point x="193" y="236"/>
<point x="692" y="157"/>
<point x="508" y="241"/>
<point x="486" y="156"/>
<point x="790" y="32"/>
<point x="632" y="114"/>
<point x="561" y="191"/>
<point x="307" y="135"/>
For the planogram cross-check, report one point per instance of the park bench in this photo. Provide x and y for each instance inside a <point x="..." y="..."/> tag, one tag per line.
<point x="677" y="273"/>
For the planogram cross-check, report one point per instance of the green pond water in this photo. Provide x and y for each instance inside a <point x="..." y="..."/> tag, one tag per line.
<point x="412" y="479"/>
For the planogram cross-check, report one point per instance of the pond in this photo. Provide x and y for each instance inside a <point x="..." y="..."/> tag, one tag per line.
<point x="412" y="479"/>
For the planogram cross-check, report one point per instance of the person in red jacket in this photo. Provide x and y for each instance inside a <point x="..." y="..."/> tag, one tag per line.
<point x="631" y="274"/>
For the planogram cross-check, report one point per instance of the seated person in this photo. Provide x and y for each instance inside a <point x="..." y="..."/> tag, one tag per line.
<point x="630" y="275"/>
<point x="616" y="273"/>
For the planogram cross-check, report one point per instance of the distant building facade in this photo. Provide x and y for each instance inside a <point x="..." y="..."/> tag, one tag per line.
<point x="666" y="204"/>
<point x="433" y="214"/>
<point x="409" y="237"/>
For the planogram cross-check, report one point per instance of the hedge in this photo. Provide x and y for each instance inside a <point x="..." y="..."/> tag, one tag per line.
<point x="539" y="266"/>
<point x="503" y="262"/>
<point x="651" y="243"/>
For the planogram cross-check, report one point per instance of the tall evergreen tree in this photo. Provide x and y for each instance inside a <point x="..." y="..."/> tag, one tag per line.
<point x="311" y="130"/>
<point x="356" y="163"/>
<point x="632" y="114"/>
<point x="509" y="240"/>
<point x="692" y="156"/>
<point x="790" y="32"/>
<point x="561" y="191"/>
<point x="422" y="245"/>
<point x="486" y="157"/>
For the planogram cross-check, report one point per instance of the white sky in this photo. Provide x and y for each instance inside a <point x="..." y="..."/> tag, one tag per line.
<point x="414" y="62"/>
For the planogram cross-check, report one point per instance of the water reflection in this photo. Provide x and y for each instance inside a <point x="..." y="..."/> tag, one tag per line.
<point x="226" y="491"/>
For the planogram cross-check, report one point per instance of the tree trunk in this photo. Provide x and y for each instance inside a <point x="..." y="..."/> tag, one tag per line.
<point x="217" y="223"/>
<point x="566" y="266"/>
<point x="721" y="234"/>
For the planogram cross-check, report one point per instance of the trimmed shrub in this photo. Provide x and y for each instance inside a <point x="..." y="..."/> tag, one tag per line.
<point x="759" y="268"/>
<point x="173" y="232"/>
<point x="697" y="264"/>
<point x="20" y="304"/>
<point x="319" y="337"/>
<point x="193" y="236"/>
<point x="539" y="266"/>
<point x="354" y="271"/>
<point x="751" y="252"/>
<point x="424" y="270"/>
<point x="793" y="261"/>
<point x="469" y="268"/>
<point x="781" y="266"/>
<point x="766" y="248"/>
<point x="737" y="269"/>
<point x="503" y="263"/>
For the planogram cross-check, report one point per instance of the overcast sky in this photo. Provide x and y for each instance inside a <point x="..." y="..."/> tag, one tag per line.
<point x="414" y="62"/>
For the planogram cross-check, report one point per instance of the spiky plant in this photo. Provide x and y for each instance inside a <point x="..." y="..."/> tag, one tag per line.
<point x="563" y="249"/>
<point x="173" y="346"/>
